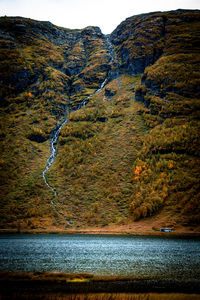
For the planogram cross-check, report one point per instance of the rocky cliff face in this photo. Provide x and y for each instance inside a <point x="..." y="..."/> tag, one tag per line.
<point x="139" y="41"/>
<point x="119" y="159"/>
<point x="34" y="52"/>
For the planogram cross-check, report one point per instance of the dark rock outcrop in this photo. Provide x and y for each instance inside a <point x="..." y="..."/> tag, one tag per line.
<point x="109" y="92"/>
<point x="177" y="69"/>
<point x="137" y="41"/>
<point x="36" y="138"/>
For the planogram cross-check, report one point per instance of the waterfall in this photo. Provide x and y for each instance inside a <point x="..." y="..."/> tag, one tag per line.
<point x="53" y="152"/>
<point x="84" y="102"/>
<point x="113" y="72"/>
<point x="56" y="131"/>
<point x="53" y="149"/>
<point x="110" y="49"/>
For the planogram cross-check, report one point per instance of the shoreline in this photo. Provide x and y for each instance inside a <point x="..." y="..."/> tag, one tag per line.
<point x="102" y="231"/>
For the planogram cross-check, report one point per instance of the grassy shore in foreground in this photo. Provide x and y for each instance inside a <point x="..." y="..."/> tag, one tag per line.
<point x="45" y="283"/>
<point x="141" y="296"/>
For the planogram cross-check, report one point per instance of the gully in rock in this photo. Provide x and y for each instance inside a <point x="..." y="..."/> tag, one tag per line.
<point x="114" y="62"/>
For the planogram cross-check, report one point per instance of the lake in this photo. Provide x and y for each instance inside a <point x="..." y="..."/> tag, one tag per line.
<point x="138" y="256"/>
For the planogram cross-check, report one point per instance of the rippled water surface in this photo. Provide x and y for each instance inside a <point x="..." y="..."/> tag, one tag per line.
<point x="139" y="256"/>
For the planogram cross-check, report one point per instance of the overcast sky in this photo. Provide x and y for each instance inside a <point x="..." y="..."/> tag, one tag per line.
<point x="106" y="14"/>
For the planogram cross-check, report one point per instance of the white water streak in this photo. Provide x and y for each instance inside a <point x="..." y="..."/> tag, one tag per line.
<point x="54" y="140"/>
<point x="53" y="153"/>
<point x="57" y="129"/>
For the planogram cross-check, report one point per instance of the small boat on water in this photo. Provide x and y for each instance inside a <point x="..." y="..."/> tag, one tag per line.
<point x="166" y="229"/>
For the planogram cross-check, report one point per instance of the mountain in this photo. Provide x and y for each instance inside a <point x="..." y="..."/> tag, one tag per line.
<point x="126" y="109"/>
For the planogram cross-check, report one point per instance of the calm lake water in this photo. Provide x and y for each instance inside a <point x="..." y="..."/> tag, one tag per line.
<point x="140" y="256"/>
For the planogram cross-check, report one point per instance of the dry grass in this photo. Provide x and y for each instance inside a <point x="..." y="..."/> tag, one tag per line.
<point x="149" y="296"/>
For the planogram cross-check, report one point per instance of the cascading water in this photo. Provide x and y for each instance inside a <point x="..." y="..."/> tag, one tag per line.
<point x="53" y="152"/>
<point x="56" y="131"/>
<point x="84" y="102"/>
<point x="110" y="50"/>
<point x="114" y="62"/>
<point x="53" y="143"/>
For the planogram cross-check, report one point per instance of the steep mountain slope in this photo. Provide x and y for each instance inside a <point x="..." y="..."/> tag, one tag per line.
<point x="170" y="91"/>
<point x="132" y="152"/>
<point x="42" y="69"/>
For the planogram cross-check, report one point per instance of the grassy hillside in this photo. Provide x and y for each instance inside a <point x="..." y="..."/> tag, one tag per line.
<point x="168" y="164"/>
<point x="97" y="150"/>
<point x="131" y="153"/>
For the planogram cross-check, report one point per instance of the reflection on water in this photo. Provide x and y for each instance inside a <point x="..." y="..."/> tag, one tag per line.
<point x="138" y="256"/>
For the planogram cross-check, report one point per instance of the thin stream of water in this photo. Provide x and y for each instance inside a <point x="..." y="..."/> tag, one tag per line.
<point x="54" y="140"/>
<point x="57" y="129"/>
